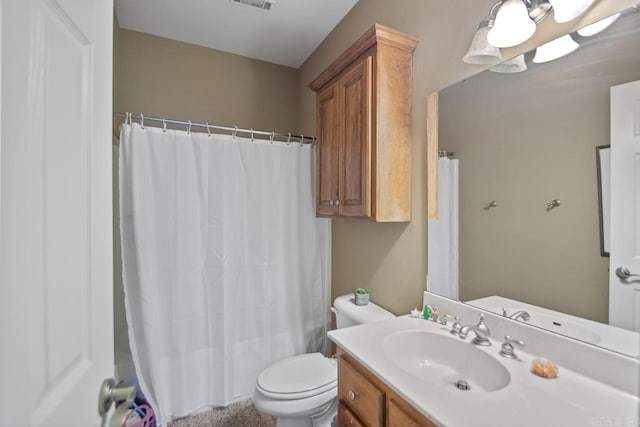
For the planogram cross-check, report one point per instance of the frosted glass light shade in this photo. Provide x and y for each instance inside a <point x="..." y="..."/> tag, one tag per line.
<point x="597" y="27"/>
<point x="555" y="49"/>
<point x="568" y="10"/>
<point x="513" y="25"/>
<point x="513" y="65"/>
<point x="480" y="51"/>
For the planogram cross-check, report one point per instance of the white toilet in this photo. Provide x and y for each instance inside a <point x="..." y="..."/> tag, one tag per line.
<point x="302" y="391"/>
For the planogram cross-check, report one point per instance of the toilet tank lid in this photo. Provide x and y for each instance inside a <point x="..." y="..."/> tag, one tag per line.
<point x="360" y="313"/>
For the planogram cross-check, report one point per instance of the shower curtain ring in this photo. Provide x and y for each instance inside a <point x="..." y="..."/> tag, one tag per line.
<point x="273" y="134"/>
<point x="142" y="121"/>
<point x="189" y="128"/>
<point x="251" y="134"/>
<point x="208" y="130"/>
<point x="289" y="138"/>
<point x="164" y="125"/>
<point x="235" y="132"/>
<point x="302" y="141"/>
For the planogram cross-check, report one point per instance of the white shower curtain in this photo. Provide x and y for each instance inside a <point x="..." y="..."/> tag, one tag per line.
<point x="226" y="269"/>
<point x="442" y="234"/>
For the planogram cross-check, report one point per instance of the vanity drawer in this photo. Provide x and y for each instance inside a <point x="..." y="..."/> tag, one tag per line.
<point x="363" y="398"/>
<point x="346" y="417"/>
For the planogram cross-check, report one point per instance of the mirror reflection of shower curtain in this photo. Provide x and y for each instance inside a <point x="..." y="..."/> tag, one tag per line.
<point x="226" y="268"/>
<point x="442" y="234"/>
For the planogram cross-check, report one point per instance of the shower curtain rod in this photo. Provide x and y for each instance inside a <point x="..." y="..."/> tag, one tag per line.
<point x="128" y="117"/>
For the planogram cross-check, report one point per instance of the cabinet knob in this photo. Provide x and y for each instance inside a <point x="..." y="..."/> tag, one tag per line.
<point x="337" y="202"/>
<point x="353" y="395"/>
<point x="330" y="202"/>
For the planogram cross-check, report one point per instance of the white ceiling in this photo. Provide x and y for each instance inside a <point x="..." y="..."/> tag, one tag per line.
<point x="286" y="35"/>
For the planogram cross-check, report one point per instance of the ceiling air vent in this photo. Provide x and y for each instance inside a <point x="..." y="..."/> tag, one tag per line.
<point x="259" y="4"/>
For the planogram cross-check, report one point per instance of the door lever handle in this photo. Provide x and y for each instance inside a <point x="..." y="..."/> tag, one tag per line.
<point x="624" y="273"/>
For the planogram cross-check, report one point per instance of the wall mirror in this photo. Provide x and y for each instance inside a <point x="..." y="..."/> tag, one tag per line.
<point x="524" y="140"/>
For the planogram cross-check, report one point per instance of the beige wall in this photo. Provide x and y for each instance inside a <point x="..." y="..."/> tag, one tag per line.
<point x="390" y="259"/>
<point x="161" y="77"/>
<point x="524" y="140"/>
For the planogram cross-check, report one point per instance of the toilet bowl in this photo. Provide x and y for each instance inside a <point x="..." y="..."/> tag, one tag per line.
<point x="302" y="391"/>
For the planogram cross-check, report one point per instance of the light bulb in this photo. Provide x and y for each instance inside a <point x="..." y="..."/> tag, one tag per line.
<point x="513" y="25"/>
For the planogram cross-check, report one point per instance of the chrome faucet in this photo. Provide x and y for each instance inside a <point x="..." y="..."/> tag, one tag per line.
<point x="520" y="314"/>
<point x="481" y="330"/>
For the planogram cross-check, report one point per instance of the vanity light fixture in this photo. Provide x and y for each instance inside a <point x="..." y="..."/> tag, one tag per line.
<point x="513" y="65"/>
<point x="480" y="51"/>
<point x="568" y="10"/>
<point x="555" y="49"/>
<point x="597" y="27"/>
<point x="512" y="22"/>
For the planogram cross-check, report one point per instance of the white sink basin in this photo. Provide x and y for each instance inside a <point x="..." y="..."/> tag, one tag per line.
<point x="443" y="361"/>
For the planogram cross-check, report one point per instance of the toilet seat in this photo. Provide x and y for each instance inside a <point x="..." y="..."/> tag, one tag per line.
<point x="299" y="377"/>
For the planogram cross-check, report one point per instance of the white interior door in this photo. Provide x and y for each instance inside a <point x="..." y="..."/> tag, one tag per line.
<point x="56" y="309"/>
<point x="624" y="293"/>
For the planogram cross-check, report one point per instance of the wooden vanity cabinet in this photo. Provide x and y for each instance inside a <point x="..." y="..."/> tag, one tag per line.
<point x="364" y="400"/>
<point x="363" y="125"/>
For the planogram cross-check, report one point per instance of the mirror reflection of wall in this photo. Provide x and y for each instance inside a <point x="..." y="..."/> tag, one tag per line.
<point x="523" y="140"/>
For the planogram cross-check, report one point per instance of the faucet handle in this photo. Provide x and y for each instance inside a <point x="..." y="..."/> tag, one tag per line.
<point x="481" y="325"/>
<point x="504" y="312"/>
<point x="455" y="328"/>
<point x="507" y="349"/>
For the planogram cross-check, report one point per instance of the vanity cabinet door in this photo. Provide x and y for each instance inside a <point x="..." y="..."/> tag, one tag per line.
<point x="398" y="415"/>
<point x="363" y="397"/>
<point x="346" y="418"/>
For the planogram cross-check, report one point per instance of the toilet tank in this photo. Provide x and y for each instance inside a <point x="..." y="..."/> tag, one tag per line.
<point x="349" y="314"/>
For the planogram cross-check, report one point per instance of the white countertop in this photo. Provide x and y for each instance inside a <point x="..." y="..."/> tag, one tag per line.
<point x="528" y="400"/>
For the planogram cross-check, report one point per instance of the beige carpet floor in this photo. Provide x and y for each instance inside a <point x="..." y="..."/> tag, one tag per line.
<point x="240" y="414"/>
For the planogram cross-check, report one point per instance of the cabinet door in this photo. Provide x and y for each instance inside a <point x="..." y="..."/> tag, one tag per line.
<point x="355" y="91"/>
<point x="399" y="417"/>
<point x="363" y="397"/>
<point x="327" y="154"/>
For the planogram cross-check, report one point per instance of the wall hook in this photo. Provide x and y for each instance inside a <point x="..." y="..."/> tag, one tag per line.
<point x="553" y="204"/>
<point x="491" y="204"/>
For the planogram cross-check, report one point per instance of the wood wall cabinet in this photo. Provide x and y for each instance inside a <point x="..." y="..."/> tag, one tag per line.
<point x="363" y="125"/>
<point x="364" y="400"/>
